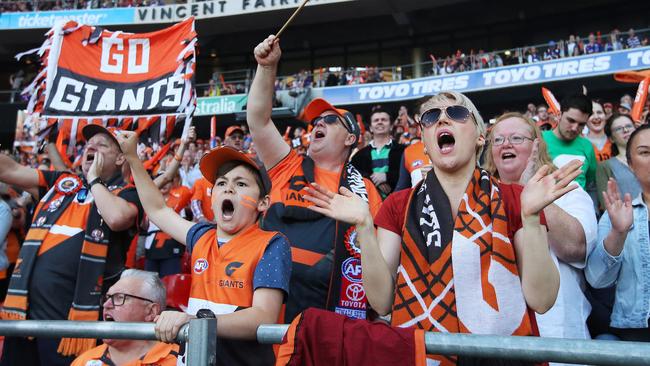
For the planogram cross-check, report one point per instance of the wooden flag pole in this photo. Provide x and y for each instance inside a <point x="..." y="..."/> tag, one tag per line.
<point x="286" y="24"/>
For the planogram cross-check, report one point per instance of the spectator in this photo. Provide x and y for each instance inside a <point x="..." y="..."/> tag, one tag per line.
<point x="241" y="273"/>
<point x="618" y="129"/>
<point x="67" y="285"/>
<point x="531" y="111"/>
<point x="234" y="137"/>
<point x="632" y="39"/>
<point x="189" y="170"/>
<point x="613" y="44"/>
<point x="624" y="108"/>
<point x="516" y="151"/>
<point x="543" y="119"/>
<point x="608" y="108"/>
<point x="201" y="203"/>
<point x="379" y="161"/>
<point x="572" y="46"/>
<point x="592" y="46"/>
<point x="138" y="296"/>
<point x="621" y="251"/>
<point x="596" y="132"/>
<point x="565" y="142"/>
<point x="317" y="279"/>
<point x="416" y="231"/>
<point x="16" y="81"/>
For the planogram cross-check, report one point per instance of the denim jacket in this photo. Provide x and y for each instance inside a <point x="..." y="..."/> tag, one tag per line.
<point x="629" y="271"/>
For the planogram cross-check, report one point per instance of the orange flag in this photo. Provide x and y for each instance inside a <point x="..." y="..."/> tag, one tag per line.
<point x="639" y="100"/>
<point x="553" y="104"/>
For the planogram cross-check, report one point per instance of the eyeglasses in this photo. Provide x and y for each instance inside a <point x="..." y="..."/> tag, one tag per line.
<point x="118" y="299"/>
<point x="331" y="119"/>
<point x="456" y="113"/>
<point x="628" y="127"/>
<point x="513" y="139"/>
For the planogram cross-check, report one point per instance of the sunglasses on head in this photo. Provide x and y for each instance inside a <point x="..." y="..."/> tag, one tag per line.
<point x="456" y="113"/>
<point x="331" y="119"/>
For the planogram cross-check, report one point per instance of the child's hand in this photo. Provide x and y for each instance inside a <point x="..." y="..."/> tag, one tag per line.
<point x="168" y="323"/>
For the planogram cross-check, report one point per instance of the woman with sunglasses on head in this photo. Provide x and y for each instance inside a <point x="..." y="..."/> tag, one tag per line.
<point x="516" y="150"/>
<point x="443" y="257"/>
<point x="618" y="128"/>
<point x="621" y="257"/>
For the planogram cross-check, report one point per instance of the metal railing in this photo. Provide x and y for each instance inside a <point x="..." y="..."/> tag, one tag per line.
<point x="200" y="334"/>
<point x="532" y="349"/>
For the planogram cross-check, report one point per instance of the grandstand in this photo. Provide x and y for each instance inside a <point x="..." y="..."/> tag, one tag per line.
<point x="361" y="40"/>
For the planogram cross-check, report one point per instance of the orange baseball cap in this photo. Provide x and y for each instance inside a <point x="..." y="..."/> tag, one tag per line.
<point x="212" y="161"/>
<point x="92" y="129"/>
<point x="320" y="105"/>
<point x="232" y="129"/>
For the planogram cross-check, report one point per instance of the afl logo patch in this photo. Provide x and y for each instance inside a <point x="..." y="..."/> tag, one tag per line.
<point x="351" y="269"/>
<point x="200" y="265"/>
<point x="416" y="163"/>
<point x="68" y="184"/>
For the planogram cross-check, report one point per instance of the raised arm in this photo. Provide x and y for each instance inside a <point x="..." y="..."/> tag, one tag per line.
<point x="15" y="174"/>
<point x="379" y="254"/>
<point x="170" y="171"/>
<point x="540" y="278"/>
<point x="269" y="143"/>
<point x="152" y="201"/>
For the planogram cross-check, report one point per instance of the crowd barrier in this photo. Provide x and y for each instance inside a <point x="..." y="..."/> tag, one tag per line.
<point x="200" y="335"/>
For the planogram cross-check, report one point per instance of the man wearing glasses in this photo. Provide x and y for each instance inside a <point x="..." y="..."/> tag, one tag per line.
<point x="138" y="296"/>
<point x="326" y="266"/>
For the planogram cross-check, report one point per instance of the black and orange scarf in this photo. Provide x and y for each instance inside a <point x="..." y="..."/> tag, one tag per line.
<point x="86" y="301"/>
<point x="459" y="276"/>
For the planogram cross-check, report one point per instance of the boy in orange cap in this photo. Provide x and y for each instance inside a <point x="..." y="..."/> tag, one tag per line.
<point x="240" y="272"/>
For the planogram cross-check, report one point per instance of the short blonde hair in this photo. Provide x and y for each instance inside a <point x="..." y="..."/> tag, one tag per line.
<point x="456" y="98"/>
<point x="542" y="159"/>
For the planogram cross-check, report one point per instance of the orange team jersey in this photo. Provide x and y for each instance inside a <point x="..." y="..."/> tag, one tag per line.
<point x="203" y="193"/>
<point x="414" y="160"/>
<point x="281" y="177"/>
<point x="222" y="278"/>
<point x="605" y="153"/>
<point x="179" y="198"/>
<point x="161" y="354"/>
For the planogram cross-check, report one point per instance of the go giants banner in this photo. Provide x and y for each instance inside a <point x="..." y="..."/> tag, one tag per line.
<point x="502" y="77"/>
<point x="126" y="80"/>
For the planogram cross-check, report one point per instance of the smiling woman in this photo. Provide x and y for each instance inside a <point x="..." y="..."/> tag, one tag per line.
<point x="516" y="151"/>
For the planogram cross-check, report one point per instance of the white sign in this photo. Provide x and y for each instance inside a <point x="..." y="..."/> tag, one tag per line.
<point x="217" y="8"/>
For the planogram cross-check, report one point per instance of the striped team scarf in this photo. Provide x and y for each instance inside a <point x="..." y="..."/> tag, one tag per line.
<point x="459" y="275"/>
<point x="86" y="300"/>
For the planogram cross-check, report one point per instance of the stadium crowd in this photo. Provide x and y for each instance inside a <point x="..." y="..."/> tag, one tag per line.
<point x="460" y="61"/>
<point x="544" y="215"/>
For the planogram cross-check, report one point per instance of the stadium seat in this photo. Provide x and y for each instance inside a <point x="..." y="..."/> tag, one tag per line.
<point x="178" y="290"/>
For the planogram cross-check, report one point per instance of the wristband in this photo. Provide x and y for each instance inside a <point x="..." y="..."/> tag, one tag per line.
<point x="205" y="314"/>
<point x="97" y="180"/>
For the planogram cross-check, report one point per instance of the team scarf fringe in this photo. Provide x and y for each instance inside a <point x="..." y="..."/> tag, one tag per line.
<point x="65" y="130"/>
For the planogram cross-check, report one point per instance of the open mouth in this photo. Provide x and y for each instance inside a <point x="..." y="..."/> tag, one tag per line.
<point x="90" y="157"/>
<point x="319" y="134"/>
<point x="227" y="209"/>
<point x="108" y="318"/>
<point x="446" y="142"/>
<point x="507" y="156"/>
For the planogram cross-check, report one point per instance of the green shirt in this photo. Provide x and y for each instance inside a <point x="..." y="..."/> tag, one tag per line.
<point x="562" y="152"/>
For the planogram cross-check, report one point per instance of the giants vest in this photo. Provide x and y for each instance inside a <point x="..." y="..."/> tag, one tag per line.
<point x="222" y="281"/>
<point x="414" y="160"/>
